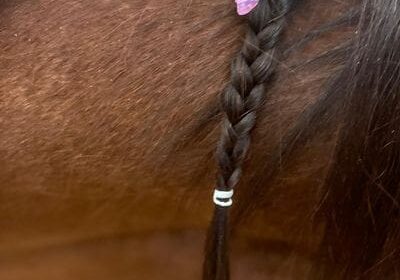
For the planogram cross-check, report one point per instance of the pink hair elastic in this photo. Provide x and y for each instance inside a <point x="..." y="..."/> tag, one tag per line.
<point x="246" y="6"/>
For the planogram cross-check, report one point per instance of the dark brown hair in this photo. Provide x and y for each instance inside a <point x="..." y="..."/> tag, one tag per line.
<point x="361" y="201"/>
<point x="359" y="207"/>
<point x="251" y="69"/>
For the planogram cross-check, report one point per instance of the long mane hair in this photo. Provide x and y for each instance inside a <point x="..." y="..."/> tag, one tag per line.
<point x="358" y="208"/>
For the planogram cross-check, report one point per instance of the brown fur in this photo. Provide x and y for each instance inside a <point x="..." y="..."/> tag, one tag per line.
<point x="99" y="100"/>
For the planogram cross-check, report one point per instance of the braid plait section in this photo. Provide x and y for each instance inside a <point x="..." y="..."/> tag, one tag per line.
<point x="251" y="69"/>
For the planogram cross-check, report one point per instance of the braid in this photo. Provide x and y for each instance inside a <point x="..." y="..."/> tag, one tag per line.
<point x="252" y="67"/>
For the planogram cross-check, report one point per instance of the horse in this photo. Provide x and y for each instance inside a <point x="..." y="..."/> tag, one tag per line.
<point x="119" y="119"/>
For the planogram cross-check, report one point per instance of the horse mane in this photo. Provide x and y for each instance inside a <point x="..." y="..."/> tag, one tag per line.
<point x="91" y="119"/>
<point x="358" y="207"/>
<point x="251" y="70"/>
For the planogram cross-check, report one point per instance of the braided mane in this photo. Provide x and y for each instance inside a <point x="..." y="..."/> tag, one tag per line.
<point x="251" y="69"/>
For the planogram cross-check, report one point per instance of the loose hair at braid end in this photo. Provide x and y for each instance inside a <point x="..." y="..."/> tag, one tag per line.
<point x="251" y="69"/>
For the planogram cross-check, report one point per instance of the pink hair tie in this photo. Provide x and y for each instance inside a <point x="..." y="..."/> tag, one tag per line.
<point x="245" y="6"/>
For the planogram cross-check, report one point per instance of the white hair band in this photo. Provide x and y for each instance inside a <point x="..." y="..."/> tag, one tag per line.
<point x="220" y="196"/>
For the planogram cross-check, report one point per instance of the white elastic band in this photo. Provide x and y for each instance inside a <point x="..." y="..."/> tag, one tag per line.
<point x="219" y="195"/>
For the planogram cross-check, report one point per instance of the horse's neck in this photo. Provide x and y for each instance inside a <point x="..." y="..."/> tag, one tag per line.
<point x="108" y="114"/>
